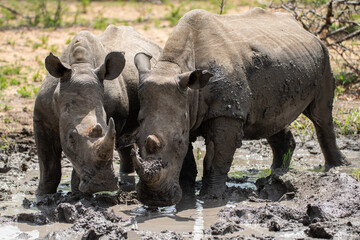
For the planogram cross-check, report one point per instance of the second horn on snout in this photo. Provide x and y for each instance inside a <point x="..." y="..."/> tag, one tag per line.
<point x="152" y="144"/>
<point x="105" y="145"/>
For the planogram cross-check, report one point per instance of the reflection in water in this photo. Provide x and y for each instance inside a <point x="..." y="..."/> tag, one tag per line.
<point x="192" y="214"/>
<point x="199" y="221"/>
<point x="11" y="232"/>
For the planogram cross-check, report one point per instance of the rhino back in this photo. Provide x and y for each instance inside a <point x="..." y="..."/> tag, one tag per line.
<point x="267" y="68"/>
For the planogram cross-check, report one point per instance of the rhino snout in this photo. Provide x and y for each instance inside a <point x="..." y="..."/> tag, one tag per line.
<point x="160" y="196"/>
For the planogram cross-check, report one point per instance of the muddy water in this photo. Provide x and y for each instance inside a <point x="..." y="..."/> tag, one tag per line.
<point x="193" y="217"/>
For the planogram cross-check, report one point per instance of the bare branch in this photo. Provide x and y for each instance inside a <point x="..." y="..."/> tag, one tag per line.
<point x="334" y="24"/>
<point x="14" y="12"/>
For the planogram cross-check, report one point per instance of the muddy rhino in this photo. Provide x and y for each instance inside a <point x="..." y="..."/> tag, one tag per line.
<point x="229" y="78"/>
<point x="82" y="92"/>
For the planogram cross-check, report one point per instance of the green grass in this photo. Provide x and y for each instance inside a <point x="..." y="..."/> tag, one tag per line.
<point x="356" y="175"/>
<point x="10" y="75"/>
<point x="25" y="92"/>
<point x="252" y="176"/>
<point x="5" y="107"/>
<point x="303" y="127"/>
<point x="345" y="78"/>
<point x="4" y="143"/>
<point x="100" y="23"/>
<point x="286" y="162"/>
<point x="10" y="70"/>
<point x="348" y="121"/>
<point x="175" y="14"/>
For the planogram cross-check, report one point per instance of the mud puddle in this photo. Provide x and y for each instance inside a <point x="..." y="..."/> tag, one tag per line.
<point x="285" y="205"/>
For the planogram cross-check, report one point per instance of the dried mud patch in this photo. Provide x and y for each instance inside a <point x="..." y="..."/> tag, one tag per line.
<point x="310" y="204"/>
<point x="90" y="216"/>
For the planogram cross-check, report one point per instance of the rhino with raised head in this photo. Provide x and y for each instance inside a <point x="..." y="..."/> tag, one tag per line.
<point x="82" y="92"/>
<point x="229" y="78"/>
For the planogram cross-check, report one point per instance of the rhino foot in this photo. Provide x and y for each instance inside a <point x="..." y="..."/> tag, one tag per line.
<point x="342" y="162"/>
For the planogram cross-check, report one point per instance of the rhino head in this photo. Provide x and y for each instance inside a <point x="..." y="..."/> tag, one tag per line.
<point x="163" y="135"/>
<point x="86" y="139"/>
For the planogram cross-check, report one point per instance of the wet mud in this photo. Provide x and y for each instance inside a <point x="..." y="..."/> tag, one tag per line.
<point x="300" y="203"/>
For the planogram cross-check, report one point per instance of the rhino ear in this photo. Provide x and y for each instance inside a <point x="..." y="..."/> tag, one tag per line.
<point x="142" y="63"/>
<point x="112" y="67"/>
<point x="196" y="79"/>
<point x="55" y="67"/>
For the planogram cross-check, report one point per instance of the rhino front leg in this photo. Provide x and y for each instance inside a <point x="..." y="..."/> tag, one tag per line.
<point x="126" y="164"/>
<point x="188" y="172"/>
<point x="127" y="181"/>
<point x="223" y="136"/>
<point x="49" y="154"/>
<point x="75" y="182"/>
<point x="283" y="146"/>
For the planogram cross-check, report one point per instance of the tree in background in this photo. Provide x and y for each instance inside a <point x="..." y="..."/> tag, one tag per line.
<point x="337" y="24"/>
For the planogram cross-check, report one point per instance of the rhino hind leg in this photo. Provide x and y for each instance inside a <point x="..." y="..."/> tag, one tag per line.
<point x="222" y="137"/>
<point x="325" y="133"/>
<point x="320" y="113"/>
<point x="188" y="172"/>
<point x="49" y="153"/>
<point x="283" y="146"/>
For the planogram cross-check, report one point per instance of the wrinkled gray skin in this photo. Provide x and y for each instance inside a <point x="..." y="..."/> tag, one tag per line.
<point x="82" y="92"/>
<point x="229" y="78"/>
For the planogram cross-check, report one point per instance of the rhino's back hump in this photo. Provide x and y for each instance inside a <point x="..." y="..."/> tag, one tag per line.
<point x="128" y="40"/>
<point x="226" y="37"/>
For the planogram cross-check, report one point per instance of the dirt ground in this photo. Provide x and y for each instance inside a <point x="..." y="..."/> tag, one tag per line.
<point x="303" y="203"/>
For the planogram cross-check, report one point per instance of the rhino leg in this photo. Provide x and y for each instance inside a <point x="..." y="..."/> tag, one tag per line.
<point x="126" y="167"/>
<point x="222" y="137"/>
<point x="188" y="172"/>
<point x="75" y="182"/>
<point x="320" y="113"/>
<point x="49" y="153"/>
<point x="283" y="146"/>
<point x="126" y="164"/>
<point x="323" y="122"/>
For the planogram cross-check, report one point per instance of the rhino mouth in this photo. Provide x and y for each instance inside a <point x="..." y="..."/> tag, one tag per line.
<point x="154" y="188"/>
<point x="102" y="180"/>
<point x="165" y="195"/>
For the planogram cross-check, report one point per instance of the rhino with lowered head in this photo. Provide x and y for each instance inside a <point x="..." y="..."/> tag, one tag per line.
<point x="82" y="92"/>
<point x="229" y="78"/>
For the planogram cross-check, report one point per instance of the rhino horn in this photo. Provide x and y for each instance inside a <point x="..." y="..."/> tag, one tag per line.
<point x="152" y="144"/>
<point x="148" y="171"/>
<point x="105" y="145"/>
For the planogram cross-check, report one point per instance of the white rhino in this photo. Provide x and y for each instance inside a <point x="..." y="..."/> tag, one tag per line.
<point x="229" y="78"/>
<point x="84" y="90"/>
